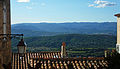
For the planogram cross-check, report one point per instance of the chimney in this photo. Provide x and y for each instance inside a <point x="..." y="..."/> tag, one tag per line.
<point x="63" y="50"/>
<point x="107" y="53"/>
<point x="118" y="33"/>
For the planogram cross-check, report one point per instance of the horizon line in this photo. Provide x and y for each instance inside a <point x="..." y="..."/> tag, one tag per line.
<point x="64" y="22"/>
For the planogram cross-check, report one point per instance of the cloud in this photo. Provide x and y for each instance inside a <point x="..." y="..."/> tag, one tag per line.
<point x="91" y="5"/>
<point x="102" y="4"/>
<point x="28" y="7"/>
<point x="23" y="0"/>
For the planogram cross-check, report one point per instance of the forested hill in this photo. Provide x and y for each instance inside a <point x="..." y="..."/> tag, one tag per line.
<point x="72" y="41"/>
<point x="51" y="29"/>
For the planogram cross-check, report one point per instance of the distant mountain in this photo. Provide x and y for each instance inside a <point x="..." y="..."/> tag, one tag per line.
<point x="50" y="29"/>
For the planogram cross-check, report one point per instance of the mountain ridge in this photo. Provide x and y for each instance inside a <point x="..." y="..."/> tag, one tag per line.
<point x="51" y="29"/>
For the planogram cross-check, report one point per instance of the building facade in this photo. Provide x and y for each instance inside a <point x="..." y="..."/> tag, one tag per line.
<point x="118" y="33"/>
<point x="5" y="28"/>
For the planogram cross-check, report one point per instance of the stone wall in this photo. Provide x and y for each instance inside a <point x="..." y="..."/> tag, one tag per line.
<point x="5" y="47"/>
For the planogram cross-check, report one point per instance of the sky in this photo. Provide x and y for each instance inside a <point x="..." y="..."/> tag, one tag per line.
<point x="59" y="11"/>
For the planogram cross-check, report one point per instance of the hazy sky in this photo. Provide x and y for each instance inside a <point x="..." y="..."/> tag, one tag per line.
<point x="30" y="11"/>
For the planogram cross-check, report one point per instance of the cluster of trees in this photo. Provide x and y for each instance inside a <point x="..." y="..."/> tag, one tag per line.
<point x="76" y="44"/>
<point x="71" y="40"/>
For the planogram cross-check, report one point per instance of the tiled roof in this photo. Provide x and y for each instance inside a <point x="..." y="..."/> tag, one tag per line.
<point x="69" y="63"/>
<point x="52" y="60"/>
<point x="46" y="55"/>
<point x="118" y="15"/>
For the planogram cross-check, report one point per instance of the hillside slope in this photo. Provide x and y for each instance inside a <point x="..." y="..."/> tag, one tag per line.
<point x="72" y="41"/>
